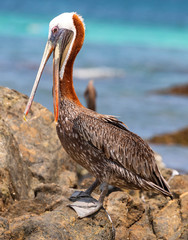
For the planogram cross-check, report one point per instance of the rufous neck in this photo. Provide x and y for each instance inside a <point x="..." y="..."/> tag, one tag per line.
<point x="66" y="83"/>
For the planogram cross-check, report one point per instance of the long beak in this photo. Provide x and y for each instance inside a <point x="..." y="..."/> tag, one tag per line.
<point x="47" y="52"/>
<point x="56" y="62"/>
<point x="59" y="45"/>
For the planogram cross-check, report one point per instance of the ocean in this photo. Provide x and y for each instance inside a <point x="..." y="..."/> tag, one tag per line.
<point x="131" y="49"/>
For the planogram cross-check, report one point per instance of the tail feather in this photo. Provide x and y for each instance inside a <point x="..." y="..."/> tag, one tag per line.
<point x="165" y="189"/>
<point x="158" y="183"/>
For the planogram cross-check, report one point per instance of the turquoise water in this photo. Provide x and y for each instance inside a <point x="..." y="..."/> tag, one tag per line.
<point x="132" y="48"/>
<point x="103" y="32"/>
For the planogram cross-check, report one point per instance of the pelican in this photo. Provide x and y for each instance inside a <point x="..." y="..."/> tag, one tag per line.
<point x="100" y="143"/>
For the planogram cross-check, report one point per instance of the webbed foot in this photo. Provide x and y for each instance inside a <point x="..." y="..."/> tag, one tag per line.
<point x="84" y="204"/>
<point x="77" y="195"/>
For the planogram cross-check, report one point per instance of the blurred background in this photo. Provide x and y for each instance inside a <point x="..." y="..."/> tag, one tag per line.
<point x="132" y="48"/>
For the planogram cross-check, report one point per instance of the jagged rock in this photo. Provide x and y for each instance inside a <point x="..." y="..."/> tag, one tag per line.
<point x="179" y="185"/>
<point x="129" y="217"/>
<point x="37" y="140"/>
<point x="149" y="215"/>
<point x="37" y="177"/>
<point x="184" y="207"/>
<point x="14" y="175"/>
<point x="166" y="222"/>
<point x="48" y="217"/>
<point x="178" y="137"/>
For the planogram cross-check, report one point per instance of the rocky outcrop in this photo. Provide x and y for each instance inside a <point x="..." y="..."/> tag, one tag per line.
<point x="37" y="178"/>
<point x="150" y="216"/>
<point x="175" y="90"/>
<point x="48" y="217"/>
<point x="37" y="141"/>
<point x="179" y="137"/>
<point x="14" y="174"/>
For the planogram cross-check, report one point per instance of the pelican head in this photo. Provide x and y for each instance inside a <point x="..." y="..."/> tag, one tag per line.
<point x="64" y="35"/>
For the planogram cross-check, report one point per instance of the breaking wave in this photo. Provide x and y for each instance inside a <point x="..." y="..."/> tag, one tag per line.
<point x="98" y="72"/>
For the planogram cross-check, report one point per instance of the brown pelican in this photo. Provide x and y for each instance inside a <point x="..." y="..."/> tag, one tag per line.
<point x="90" y="96"/>
<point x="100" y="143"/>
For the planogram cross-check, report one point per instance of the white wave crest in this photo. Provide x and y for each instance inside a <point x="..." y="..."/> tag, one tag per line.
<point x="98" y="72"/>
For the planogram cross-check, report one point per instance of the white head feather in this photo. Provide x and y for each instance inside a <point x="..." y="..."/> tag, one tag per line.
<point x="65" y="20"/>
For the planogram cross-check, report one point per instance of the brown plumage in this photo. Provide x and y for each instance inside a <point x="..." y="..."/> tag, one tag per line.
<point x="100" y="143"/>
<point x="108" y="150"/>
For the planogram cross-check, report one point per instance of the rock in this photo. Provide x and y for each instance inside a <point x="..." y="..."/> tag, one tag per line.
<point x="167" y="222"/>
<point x="148" y="217"/>
<point x="179" y="185"/>
<point x="37" y="140"/>
<point x="128" y="216"/>
<point x="141" y="230"/>
<point x="48" y="217"/>
<point x="184" y="207"/>
<point x="37" y="177"/>
<point x="179" y="137"/>
<point x="176" y="90"/>
<point x="14" y="181"/>
<point x="4" y="225"/>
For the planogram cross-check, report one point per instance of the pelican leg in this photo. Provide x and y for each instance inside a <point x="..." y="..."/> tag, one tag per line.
<point x="103" y="193"/>
<point x="80" y="194"/>
<point x="92" y="187"/>
<point x="84" y="204"/>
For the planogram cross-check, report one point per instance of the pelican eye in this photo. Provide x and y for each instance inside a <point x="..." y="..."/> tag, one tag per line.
<point x="55" y="30"/>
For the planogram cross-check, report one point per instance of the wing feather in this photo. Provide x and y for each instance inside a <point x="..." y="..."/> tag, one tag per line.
<point x="120" y="145"/>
